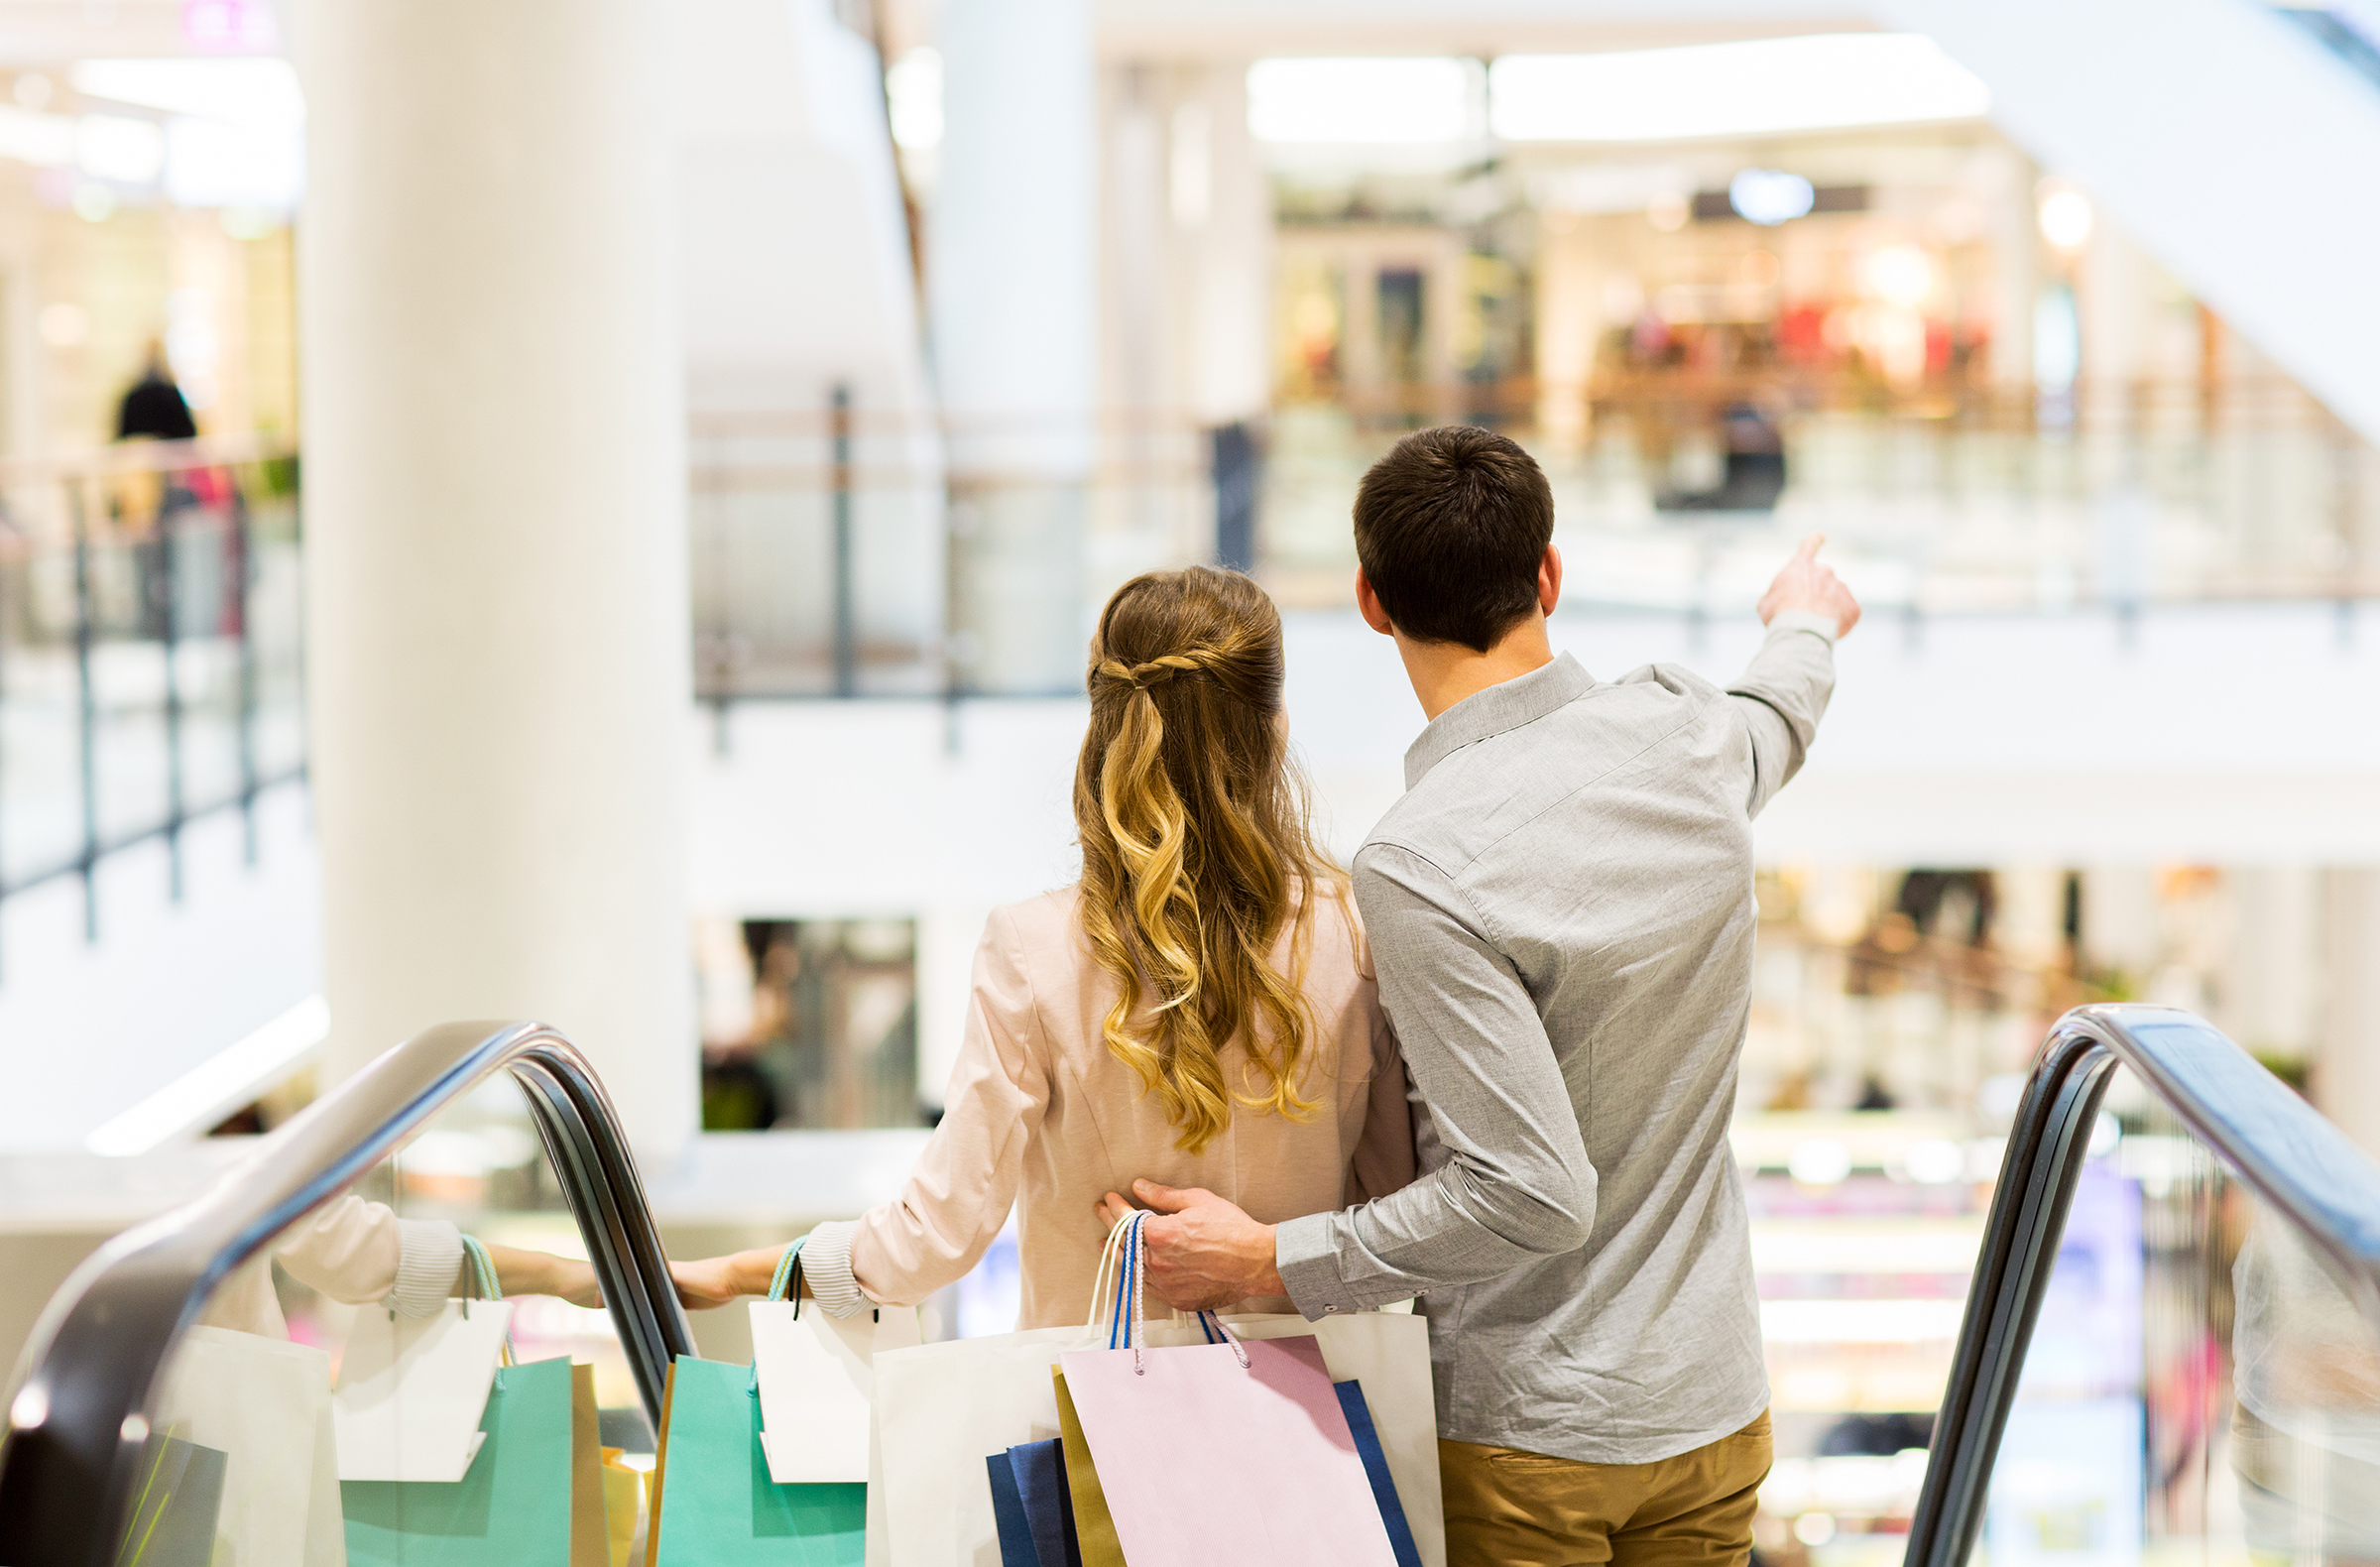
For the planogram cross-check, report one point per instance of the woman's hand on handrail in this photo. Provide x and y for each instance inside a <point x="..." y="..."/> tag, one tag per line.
<point x="525" y="1273"/>
<point x="713" y="1281"/>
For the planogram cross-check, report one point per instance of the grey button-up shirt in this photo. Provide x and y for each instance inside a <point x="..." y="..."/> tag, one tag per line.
<point x="1560" y="910"/>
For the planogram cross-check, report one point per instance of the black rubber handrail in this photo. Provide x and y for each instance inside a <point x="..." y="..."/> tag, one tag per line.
<point x="75" y="1425"/>
<point x="2299" y="1164"/>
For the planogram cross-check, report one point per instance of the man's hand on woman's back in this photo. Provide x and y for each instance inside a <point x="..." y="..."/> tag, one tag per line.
<point x="1806" y="585"/>
<point x="1205" y="1252"/>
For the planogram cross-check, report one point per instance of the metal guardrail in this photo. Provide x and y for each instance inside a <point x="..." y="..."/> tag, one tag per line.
<point x="69" y="1458"/>
<point x="155" y="544"/>
<point x="2298" y="1162"/>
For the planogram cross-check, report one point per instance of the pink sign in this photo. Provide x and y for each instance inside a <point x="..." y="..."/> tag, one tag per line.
<point x="230" y="27"/>
<point x="1204" y="1461"/>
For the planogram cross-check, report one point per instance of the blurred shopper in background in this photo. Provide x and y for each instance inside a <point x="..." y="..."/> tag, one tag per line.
<point x="154" y="407"/>
<point x="1562" y="907"/>
<point x="1200" y="1005"/>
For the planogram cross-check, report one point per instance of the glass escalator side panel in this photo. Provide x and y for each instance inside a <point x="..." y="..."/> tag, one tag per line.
<point x="343" y="1396"/>
<point x="2203" y="1380"/>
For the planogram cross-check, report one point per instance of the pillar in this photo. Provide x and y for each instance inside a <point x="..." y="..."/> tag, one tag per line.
<point x="496" y="531"/>
<point x="1014" y="295"/>
<point x="2346" y="1069"/>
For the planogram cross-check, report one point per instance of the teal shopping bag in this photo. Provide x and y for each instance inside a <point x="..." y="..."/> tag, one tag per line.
<point x="712" y="1497"/>
<point x="511" y="1509"/>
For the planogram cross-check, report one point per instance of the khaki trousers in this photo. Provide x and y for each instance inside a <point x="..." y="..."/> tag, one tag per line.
<point x="1509" y="1509"/>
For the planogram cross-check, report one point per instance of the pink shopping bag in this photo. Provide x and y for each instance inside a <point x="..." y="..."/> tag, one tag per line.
<point x="1226" y="1452"/>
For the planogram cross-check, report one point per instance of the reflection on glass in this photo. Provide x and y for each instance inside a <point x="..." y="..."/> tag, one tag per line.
<point x="2204" y="1380"/>
<point x="417" y="1369"/>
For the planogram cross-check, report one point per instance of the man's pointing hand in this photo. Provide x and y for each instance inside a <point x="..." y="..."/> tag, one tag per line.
<point x="1804" y="584"/>
<point x="1204" y="1253"/>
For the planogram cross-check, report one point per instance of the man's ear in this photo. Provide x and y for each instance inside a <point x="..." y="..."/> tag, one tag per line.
<point x="1549" y="579"/>
<point x="1368" y="604"/>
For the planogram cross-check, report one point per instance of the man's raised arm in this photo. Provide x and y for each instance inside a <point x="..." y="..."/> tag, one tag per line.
<point x="1783" y="691"/>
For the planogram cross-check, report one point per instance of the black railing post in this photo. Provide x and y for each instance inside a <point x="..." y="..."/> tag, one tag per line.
<point x="87" y="712"/>
<point x="168" y="585"/>
<point x="847" y="651"/>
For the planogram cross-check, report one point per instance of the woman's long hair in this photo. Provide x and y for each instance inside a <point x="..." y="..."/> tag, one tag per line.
<point x="1196" y="853"/>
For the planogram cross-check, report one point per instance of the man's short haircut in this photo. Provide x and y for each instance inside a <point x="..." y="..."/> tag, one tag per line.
<point x="1450" y="528"/>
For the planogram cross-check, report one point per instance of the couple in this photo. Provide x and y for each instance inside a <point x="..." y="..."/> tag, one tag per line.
<point x="1522" y="1121"/>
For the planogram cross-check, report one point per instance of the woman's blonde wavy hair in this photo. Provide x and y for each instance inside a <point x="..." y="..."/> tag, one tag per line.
<point x="1196" y="852"/>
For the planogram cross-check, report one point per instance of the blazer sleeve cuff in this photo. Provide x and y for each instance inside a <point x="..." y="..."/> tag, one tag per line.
<point x="826" y="1269"/>
<point x="429" y="1257"/>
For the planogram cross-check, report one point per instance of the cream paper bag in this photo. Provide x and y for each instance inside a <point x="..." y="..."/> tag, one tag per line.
<point x="817" y="1385"/>
<point x="265" y="1404"/>
<point x="413" y="1389"/>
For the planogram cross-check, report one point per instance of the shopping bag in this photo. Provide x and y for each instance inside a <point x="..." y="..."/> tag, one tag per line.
<point x="1040" y="1473"/>
<point x="1375" y="1470"/>
<point x="941" y="1408"/>
<point x="1175" y="1429"/>
<point x="714" y="1503"/>
<point x="1095" y="1539"/>
<point x="265" y="1405"/>
<point x="623" y="1499"/>
<point x="816" y="1384"/>
<point x="512" y="1506"/>
<point x="412" y="1390"/>
<point x="1008" y="1512"/>
<point x="174" y="1512"/>
<point x="590" y="1544"/>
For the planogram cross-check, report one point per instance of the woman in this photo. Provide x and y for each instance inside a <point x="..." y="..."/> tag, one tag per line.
<point x="1198" y="1009"/>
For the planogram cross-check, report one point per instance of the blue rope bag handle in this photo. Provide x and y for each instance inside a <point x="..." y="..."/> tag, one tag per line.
<point x="1129" y="1283"/>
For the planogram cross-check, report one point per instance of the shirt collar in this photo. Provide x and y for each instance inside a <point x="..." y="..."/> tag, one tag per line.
<point x="1520" y="700"/>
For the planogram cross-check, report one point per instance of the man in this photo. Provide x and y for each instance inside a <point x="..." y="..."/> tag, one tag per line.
<point x="1560" y="914"/>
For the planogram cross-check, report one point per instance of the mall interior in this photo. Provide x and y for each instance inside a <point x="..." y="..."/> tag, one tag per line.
<point x="593" y="515"/>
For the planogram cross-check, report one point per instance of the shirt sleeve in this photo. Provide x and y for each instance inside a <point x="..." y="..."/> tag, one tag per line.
<point x="1516" y="1182"/>
<point x="957" y="1195"/>
<point x="355" y="1250"/>
<point x="1384" y="1160"/>
<point x="1780" y="699"/>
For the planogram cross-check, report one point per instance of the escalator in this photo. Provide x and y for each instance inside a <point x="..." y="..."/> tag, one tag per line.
<point x="173" y="1405"/>
<point x="2171" y="1348"/>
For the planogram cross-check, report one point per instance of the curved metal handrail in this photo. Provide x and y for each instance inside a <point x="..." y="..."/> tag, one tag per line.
<point x="2280" y="1146"/>
<point x="73" y="1445"/>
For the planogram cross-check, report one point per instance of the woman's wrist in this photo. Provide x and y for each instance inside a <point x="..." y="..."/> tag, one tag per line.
<point x="756" y="1269"/>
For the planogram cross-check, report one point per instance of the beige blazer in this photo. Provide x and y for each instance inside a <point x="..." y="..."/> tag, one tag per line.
<point x="1042" y="1115"/>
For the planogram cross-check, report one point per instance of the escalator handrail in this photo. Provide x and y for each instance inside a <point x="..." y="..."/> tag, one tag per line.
<point x="92" y="1368"/>
<point x="2283" y="1148"/>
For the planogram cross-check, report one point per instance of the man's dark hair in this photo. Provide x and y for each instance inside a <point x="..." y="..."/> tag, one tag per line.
<point x="1450" y="528"/>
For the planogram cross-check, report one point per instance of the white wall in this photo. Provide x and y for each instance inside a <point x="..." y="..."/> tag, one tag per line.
<point x="87" y="1031"/>
<point x="2219" y="736"/>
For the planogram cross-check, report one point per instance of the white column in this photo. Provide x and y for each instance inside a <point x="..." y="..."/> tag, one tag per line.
<point x="496" y="520"/>
<point x="1222" y="202"/>
<point x="1012" y="288"/>
<point x="2347" y="1072"/>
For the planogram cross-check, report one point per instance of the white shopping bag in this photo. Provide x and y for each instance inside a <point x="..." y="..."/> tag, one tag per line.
<point x="817" y="1388"/>
<point x="265" y="1404"/>
<point x="413" y="1391"/>
<point x="942" y="1409"/>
